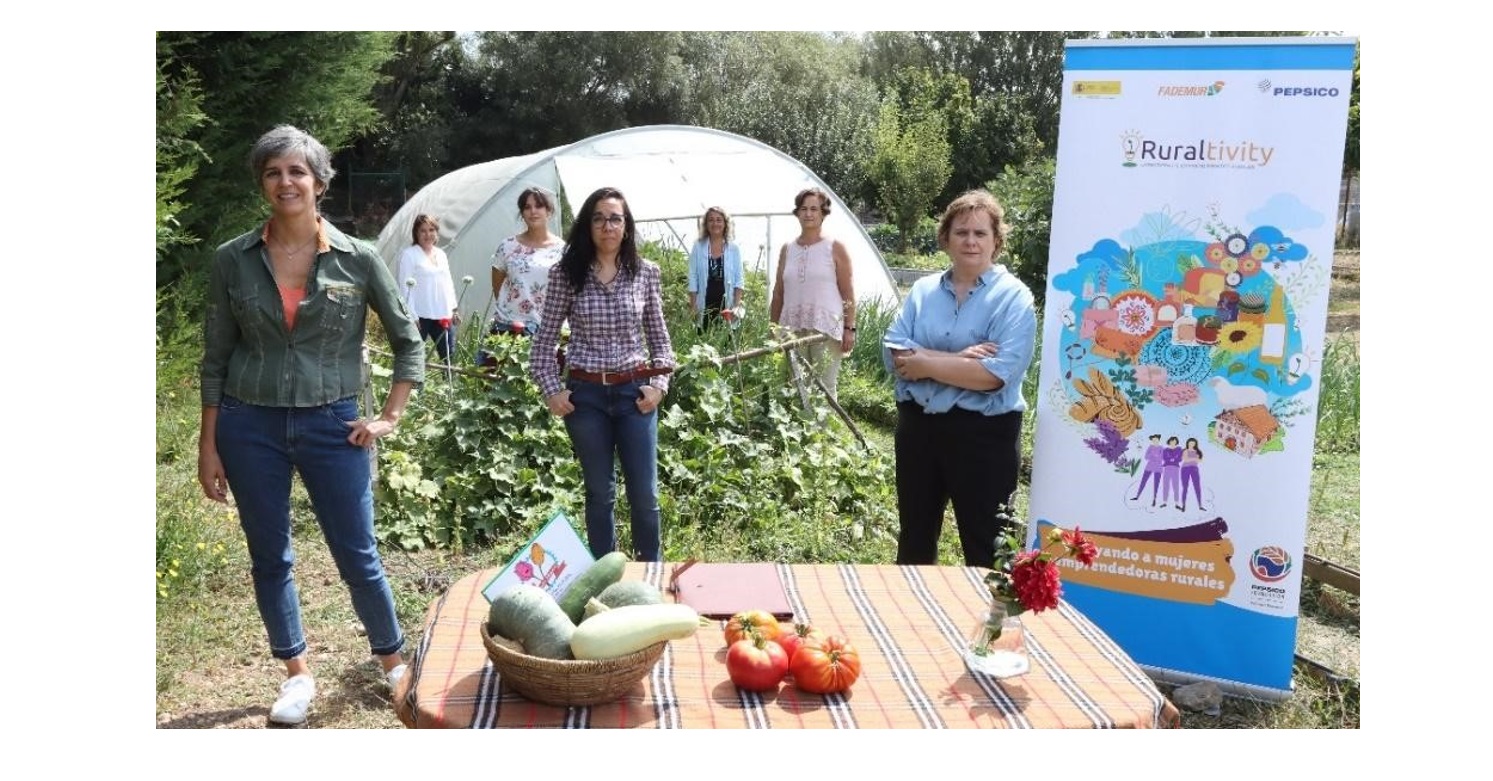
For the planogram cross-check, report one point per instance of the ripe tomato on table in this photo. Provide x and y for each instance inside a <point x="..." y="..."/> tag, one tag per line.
<point x="793" y="638"/>
<point x="743" y="624"/>
<point x="825" y="666"/>
<point x="756" y="663"/>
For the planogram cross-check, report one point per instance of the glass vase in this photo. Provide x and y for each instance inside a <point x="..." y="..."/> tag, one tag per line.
<point x="997" y="646"/>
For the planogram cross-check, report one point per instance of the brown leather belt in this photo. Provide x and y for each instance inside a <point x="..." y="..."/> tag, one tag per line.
<point x="617" y="378"/>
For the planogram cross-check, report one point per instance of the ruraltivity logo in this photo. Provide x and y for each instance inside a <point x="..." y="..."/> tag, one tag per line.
<point x="1137" y="150"/>
<point x="1190" y="90"/>
<point x="1270" y="563"/>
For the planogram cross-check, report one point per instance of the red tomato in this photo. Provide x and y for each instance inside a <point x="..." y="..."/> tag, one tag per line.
<point x="756" y="663"/>
<point x="825" y="666"/>
<point x="793" y="639"/>
<point x="743" y="624"/>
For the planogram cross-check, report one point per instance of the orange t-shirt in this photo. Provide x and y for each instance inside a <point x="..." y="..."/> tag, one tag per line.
<point x="291" y="298"/>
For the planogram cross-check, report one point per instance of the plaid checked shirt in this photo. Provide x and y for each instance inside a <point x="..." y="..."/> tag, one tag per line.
<point x="608" y="324"/>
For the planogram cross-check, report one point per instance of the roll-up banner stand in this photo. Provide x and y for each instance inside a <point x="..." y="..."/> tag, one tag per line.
<point x="1192" y="242"/>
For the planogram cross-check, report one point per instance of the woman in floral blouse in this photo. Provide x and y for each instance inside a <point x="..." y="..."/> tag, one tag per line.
<point x="521" y="266"/>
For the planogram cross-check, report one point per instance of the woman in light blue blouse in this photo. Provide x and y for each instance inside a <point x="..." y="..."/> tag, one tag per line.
<point x="959" y="349"/>
<point x="715" y="276"/>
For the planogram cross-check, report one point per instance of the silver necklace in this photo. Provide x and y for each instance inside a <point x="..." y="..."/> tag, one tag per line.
<point x="292" y="253"/>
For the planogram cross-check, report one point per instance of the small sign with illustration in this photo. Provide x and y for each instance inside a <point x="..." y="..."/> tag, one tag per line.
<point x="552" y="559"/>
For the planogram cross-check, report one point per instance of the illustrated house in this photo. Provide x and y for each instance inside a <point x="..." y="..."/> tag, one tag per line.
<point x="1245" y="429"/>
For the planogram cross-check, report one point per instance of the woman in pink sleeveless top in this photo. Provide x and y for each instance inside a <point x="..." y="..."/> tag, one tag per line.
<point x="813" y="292"/>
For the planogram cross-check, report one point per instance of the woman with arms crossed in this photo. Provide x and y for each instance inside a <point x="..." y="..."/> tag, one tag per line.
<point x="281" y="370"/>
<point x="959" y="349"/>
<point x="618" y="365"/>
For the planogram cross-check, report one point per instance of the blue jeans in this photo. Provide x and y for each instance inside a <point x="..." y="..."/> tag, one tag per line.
<point x="259" y="447"/>
<point x="606" y="424"/>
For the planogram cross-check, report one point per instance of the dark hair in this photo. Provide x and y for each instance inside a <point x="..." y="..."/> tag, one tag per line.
<point x="798" y="200"/>
<point x="580" y="250"/>
<point x="420" y="222"/>
<point x="285" y="140"/>
<point x="542" y="196"/>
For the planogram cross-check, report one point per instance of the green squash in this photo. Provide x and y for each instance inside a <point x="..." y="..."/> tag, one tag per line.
<point x="606" y="571"/>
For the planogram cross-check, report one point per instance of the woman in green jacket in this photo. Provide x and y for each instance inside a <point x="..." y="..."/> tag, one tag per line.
<point x="281" y="370"/>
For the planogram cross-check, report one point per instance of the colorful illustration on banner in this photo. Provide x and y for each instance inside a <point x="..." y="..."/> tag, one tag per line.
<point x="1180" y="324"/>
<point x="1182" y="359"/>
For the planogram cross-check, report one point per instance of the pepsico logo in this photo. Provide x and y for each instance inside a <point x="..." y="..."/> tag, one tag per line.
<point x="1270" y="563"/>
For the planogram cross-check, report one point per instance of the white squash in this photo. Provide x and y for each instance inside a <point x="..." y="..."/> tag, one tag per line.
<point x="630" y="628"/>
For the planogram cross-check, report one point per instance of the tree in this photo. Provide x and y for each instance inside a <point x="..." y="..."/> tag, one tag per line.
<point x="1350" y="162"/>
<point x="1025" y="68"/>
<point x="547" y="89"/>
<point x="178" y="115"/>
<point x="248" y="83"/>
<point x="1015" y="80"/>
<point x="909" y="164"/>
<point x="1026" y="193"/>
<point x="799" y="92"/>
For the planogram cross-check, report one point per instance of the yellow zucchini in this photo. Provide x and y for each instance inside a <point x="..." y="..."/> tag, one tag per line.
<point x="624" y="630"/>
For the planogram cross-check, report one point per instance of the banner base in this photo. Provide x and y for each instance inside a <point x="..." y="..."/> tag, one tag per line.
<point x="1232" y="688"/>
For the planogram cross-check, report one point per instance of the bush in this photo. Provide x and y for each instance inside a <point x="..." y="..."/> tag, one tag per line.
<point x="924" y="240"/>
<point x="195" y="537"/>
<point x="1026" y="194"/>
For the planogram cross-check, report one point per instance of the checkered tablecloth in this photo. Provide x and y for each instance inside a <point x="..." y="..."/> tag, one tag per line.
<point x="907" y="623"/>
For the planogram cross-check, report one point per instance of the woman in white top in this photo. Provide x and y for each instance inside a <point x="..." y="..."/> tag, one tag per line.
<point x="425" y="278"/>
<point x="521" y="266"/>
<point x="813" y="291"/>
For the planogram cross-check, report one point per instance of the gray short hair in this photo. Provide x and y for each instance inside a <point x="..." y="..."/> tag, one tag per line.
<point x="288" y="139"/>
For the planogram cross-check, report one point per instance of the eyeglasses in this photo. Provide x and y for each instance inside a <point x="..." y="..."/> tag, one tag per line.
<point x="614" y="221"/>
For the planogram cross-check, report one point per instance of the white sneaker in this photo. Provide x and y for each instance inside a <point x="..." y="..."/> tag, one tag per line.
<point x="295" y="700"/>
<point x="395" y="676"/>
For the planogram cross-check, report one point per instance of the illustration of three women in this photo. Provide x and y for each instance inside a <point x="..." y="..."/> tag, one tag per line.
<point x="1171" y="469"/>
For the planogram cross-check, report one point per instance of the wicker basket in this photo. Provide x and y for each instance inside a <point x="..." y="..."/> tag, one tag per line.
<point x="568" y="681"/>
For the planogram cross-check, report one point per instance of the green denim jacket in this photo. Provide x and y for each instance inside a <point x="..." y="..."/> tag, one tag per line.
<point x="251" y="355"/>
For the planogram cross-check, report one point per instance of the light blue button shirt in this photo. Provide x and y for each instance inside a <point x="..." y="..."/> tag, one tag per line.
<point x="999" y="309"/>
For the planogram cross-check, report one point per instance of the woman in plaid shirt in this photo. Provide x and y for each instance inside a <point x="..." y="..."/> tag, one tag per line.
<point x="617" y="366"/>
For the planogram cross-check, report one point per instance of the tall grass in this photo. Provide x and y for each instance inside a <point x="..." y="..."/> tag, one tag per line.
<point x="1338" y="421"/>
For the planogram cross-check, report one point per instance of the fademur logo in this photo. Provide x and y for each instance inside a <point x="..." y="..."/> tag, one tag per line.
<point x="1190" y="90"/>
<point x="1137" y="150"/>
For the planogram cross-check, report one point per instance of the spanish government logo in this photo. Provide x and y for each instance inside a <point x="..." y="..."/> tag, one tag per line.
<point x="1096" y="89"/>
<point x="1270" y="563"/>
